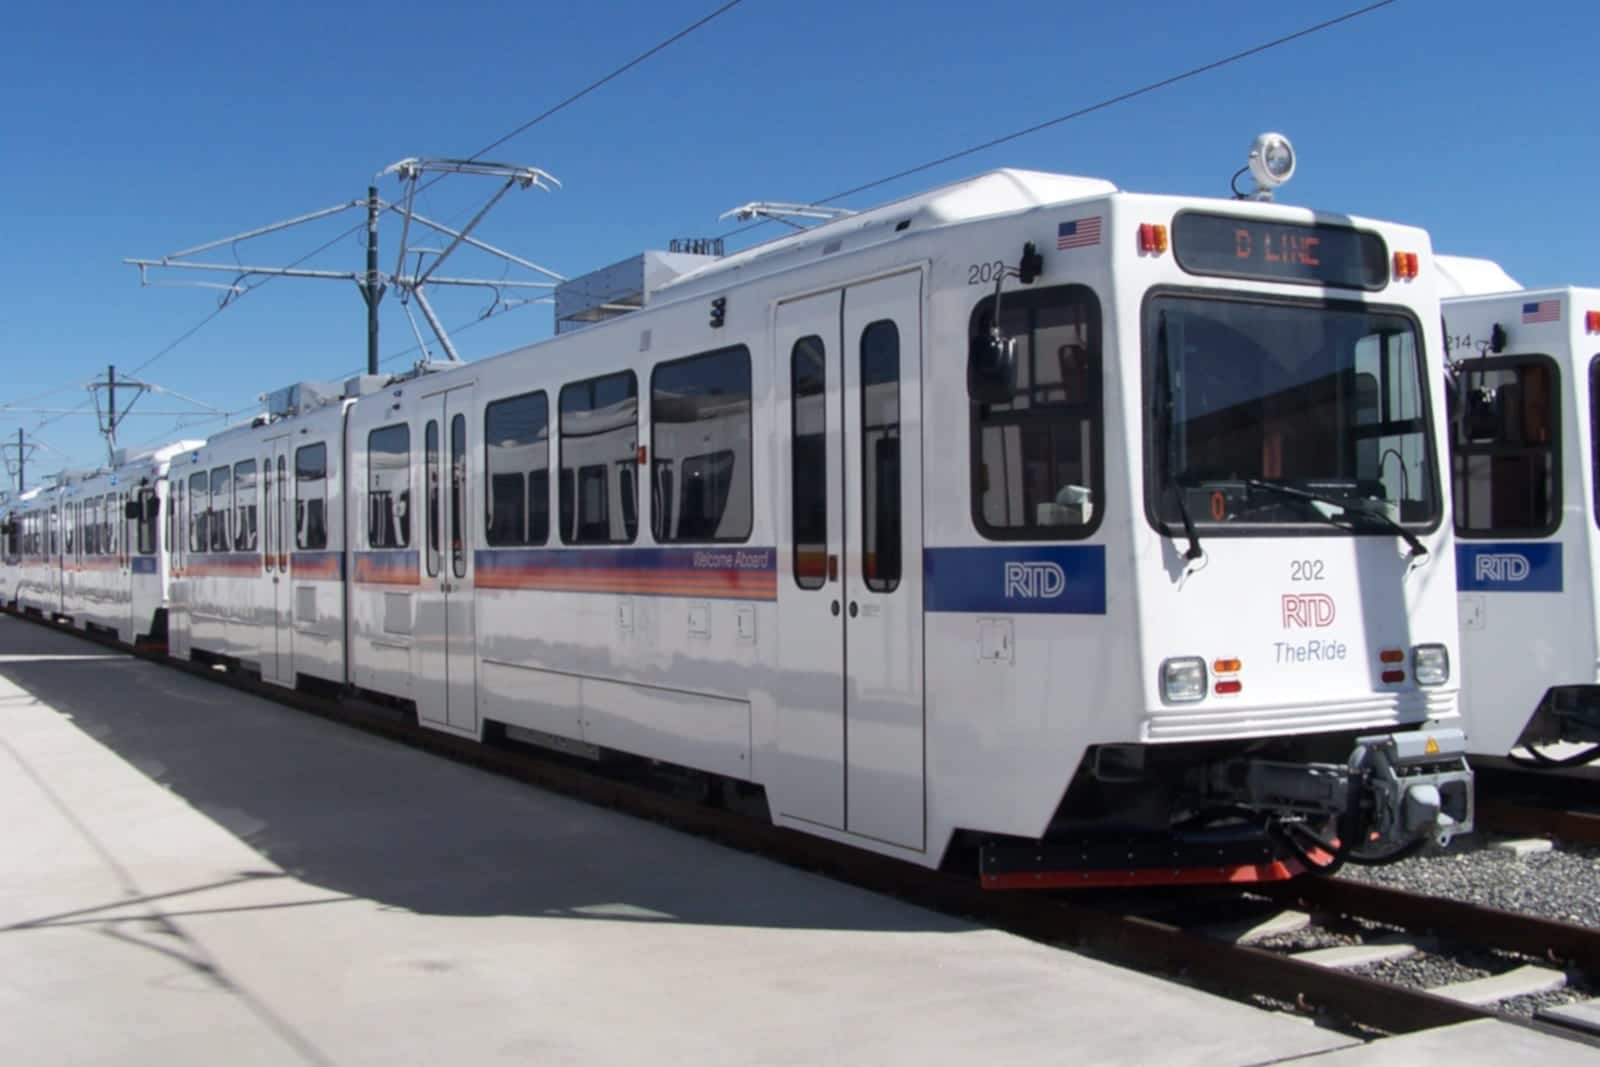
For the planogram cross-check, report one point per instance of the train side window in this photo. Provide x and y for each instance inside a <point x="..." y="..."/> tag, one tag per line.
<point x="389" y="487"/>
<point x="147" y="521"/>
<point x="55" y="522"/>
<point x="1505" y="453"/>
<point x="458" y="496"/>
<point x="69" y="528"/>
<point x="880" y="456"/>
<point x="430" y="446"/>
<point x="700" y="426"/>
<point x="599" y="427"/>
<point x="283" y="514"/>
<point x="516" y="441"/>
<point x="311" y="497"/>
<point x="1594" y="429"/>
<point x="245" y="533"/>
<point x="221" y="506"/>
<point x="1037" y="458"/>
<point x="808" y="463"/>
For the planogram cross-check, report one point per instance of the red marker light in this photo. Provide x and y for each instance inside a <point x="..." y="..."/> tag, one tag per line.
<point x="1152" y="238"/>
<point x="1406" y="265"/>
<point x="1231" y="685"/>
<point x="1392" y="655"/>
<point x="1591" y="321"/>
<point x="1394" y="676"/>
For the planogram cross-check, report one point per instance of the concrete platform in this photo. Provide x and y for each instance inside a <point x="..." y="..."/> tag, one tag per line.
<point x="192" y="876"/>
<point x="1486" y="1041"/>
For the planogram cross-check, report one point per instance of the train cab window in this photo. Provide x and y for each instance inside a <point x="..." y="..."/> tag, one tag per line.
<point x="808" y="465"/>
<point x="599" y="429"/>
<point x="1505" y="447"/>
<point x="389" y="487"/>
<point x="149" y="516"/>
<point x="430" y="448"/>
<point x="221" y="505"/>
<point x="516" y="440"/>
<point x="245" y="534"/>
<point x="880" y="456"/>
<point x="700" y="440"/>
<point x="311" y="497"/>
<point x="1036" y="454"/>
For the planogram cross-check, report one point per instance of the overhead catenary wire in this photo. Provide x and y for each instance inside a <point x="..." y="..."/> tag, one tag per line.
<point x="554" y="109"/>
<point x="1111" y="101"/>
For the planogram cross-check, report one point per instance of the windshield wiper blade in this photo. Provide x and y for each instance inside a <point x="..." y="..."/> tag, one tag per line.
<point x="1194" y="551"/>
<point x="1348" y="507"/>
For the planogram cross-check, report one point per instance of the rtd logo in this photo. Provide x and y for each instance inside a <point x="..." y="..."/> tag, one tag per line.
<point x="1307" y="611"/>
<point x="1035" y="580"/>
<point x="1503" y="567"/>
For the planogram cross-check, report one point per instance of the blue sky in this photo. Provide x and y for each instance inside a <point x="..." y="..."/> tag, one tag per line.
<point x="138" y="130"/>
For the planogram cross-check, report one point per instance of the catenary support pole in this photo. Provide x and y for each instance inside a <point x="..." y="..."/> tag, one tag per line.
<point x="371" y="290"/>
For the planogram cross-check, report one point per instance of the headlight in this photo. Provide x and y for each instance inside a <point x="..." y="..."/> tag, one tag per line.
<point x="1430" y="664"/>
<point x="1183" y="680"/>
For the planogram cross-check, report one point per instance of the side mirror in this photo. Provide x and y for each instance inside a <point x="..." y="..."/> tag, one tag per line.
<point x="992" y="368"/>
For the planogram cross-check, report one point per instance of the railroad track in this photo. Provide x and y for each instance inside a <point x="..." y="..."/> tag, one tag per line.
<point x="1564" y="804"/>
<point x="1090" y="923"/>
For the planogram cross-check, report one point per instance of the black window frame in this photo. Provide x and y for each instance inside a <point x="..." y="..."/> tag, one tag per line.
<point x="1032" y="299"/>
<point x="252" y="507"/>
<point x="304" y="544"/>
<point x="569" y="488"/>
<point x="1594" y="432"/>
<point x="663" y="531"/>
<point x="873" y="470"/>
<point x="1557" y="451"/>
<point x="399" y="507"/>
<point x="1310" y="527"/>
<point x="812" y="483"/>
<point x="495" y="537"/>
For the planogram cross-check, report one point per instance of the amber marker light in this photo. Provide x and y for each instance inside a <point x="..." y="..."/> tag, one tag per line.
<point x="1406" y="265"/>
<point x="1392" y="655"/>
<point x="1226" y="666"/>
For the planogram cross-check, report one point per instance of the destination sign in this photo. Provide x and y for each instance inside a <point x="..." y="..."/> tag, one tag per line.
<point x="1318" y="254"/>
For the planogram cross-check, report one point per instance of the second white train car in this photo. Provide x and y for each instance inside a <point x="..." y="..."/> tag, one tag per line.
<point x="1098" y="538"/>
<point x="1525" y="368"/>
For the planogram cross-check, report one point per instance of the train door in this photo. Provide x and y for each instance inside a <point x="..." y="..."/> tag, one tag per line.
<point x="445" y="683"/>
<point x="277" y="637"/>
<point x="850" y="732"/>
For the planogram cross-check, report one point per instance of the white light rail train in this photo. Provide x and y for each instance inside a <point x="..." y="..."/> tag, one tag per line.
<point x="1086" y="537"/>
<point x="1524" y="368"/>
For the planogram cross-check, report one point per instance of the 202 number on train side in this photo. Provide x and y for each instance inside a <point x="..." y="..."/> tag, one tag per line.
<point x="1305" y="570"/>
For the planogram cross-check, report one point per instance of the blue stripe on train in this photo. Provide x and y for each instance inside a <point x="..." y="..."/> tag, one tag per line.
<point x="1016" y="579"/>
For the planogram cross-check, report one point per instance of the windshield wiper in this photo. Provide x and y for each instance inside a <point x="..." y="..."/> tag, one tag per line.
<point x="1348" y="507"/>
<point x="1194" y="551"/>
<point x="1164" y="420"/>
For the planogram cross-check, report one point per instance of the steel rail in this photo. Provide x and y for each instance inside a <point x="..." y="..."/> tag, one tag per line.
<point x="1475" y="924"/>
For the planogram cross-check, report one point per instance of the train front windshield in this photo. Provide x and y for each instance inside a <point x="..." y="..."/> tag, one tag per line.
<point x="1254" y="407"/>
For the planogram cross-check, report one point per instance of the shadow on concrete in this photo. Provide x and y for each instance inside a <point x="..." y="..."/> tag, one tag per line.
<point x="359" y="815"/>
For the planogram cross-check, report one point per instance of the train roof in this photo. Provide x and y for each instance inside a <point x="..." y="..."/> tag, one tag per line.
<point x="997" y="192"/>
<point x="1467" y="276"/>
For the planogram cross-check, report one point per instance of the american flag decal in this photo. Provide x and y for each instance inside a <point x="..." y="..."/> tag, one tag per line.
<point x="1541" y="311"/>
<point x="1078" y="233"/>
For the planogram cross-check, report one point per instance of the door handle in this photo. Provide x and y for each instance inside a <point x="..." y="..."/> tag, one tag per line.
<point x="836" y="609"/>
<point x="853" y="609"/>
